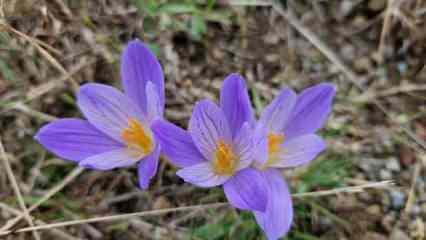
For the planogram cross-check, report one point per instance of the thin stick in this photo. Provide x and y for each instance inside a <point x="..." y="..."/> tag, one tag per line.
<point x="385" y="29"/>
<point x="412" y="193"/>
<point x="403" y="88"/>
<point x="117" y="217"/>
<point x="351" y="75"/>
<point x="71" y="176"/>
<point x="354" y="189"/>
<point x="34" y="113"/>
<point x="59" y="233"/>
<point x="42" y="89"/>
<point x="15" y="187"/>
<point x="46" y="54"/>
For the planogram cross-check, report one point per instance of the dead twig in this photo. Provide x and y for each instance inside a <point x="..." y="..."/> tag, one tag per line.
<point x="36" y="43"/>
<point x="403" y="88"/>
<point x="353" y="189"/>
<point x="71" y="176"/>
<point x="34" y="113"/>
<point x="57" y="232"/>
<point x="412" y="193"/>
<point x="386" y="28"/>
<point x="15" y="187"/>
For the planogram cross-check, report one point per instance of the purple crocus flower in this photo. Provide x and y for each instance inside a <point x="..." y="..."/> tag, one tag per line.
<point x="283" y="137"/>
<point x="217" y="148"/>
<point x="117" y="132"/>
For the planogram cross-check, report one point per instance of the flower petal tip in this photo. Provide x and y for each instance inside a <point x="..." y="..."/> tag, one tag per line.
<point x="330" y="87"/>
<point x="136" y="44"/>
<point x="144" y="185"/>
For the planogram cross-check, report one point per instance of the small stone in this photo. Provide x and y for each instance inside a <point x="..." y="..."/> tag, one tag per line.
<point x="373" y="236"/>
<point x="374" y="210"/>
<point x="415" y="210"/>
<point x="398" y="234"/>
<point x="385" y="174"/>
<point x="393" y="165"/>
<point x="365" y="166"/>
<point x="397" y="199"/>
<point x="363" y="64"/>
<point x="161" y="202"/>
<point x="407" y="156"/>
<point x="423" y="208"/>
<point x="377" y="5"/>
<point x="365" y="196"/>
<point x="388" y="221"/>
<point x="359" y="21"/>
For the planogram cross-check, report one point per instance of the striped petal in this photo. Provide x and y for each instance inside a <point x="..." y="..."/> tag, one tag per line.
<point x="139" y="66"/>
<point x="75" y="139"/>
<point x="208" y="126"/>
<point x="107" y="108"/>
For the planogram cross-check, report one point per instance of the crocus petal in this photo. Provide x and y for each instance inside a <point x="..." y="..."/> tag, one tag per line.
<point x="207" y="126"/>
<point x="147" y="168"/>
<point x="311" y="110"/>
<point x="75" y="139"/>
<point x="247" y="190"/>
<point x="110" y="160"/>
<point x="138" y="66"/>
<point x="276" y="220"/>
<point x="201" y="175"/>
<point x="299" y="151"/>
<point x="107" y="108"/>
<point x="244" y="146"/>
<point x="154" y="108"/>
<point x="235" y="102"/>
<point x="260" y="143"/>
<point x="176" y="144"/>
<point x="274" y="117"/>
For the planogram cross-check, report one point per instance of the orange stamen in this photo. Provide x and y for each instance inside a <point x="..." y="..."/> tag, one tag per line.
<point x="274" y="146"/>
<point x="137" y="138"/>
<point x="225" y="161"/>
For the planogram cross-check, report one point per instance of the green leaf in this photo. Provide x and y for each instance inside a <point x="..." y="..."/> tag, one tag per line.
<point x="327" y="172"/>
<point x="178" y="8"/>
<point x="150" y="7"/>
<point x="7" y="71"/>
<point x="198" y="27"/>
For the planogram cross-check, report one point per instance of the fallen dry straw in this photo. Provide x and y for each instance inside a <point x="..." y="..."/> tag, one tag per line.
<point x="353" y="189"/>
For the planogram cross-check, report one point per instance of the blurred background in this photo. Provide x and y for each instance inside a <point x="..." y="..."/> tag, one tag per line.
<point x="372" y="50"/>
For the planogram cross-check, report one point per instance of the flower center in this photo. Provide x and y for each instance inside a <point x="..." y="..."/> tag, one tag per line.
<point x="274" y="147"/>
<point x="225" y="161"/>
<point x="138" y="140"/>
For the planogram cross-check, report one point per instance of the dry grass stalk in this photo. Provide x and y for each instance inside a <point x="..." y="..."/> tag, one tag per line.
<point x="412" y="193"/>
<point x="386" y="28"/>
<point x="71" y="176"/>
<point x="16" y="190"/>
<point x="43" y="52"/>
<point x="57" y="232"/>
<point x="354" y="189"/>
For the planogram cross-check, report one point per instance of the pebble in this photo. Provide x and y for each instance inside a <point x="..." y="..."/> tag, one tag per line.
<point x="415" y="210"/>
<point x="398" y="234"/>
<point x="373" y="236"/>
<point x="385" y="174"/>
<point x="397" y="199"/>
<point x="365" y="196"/>
<point x="393" y="165"/>
<point x="376" y="5"/>
<point x="374" y="210"/>
<point x="388" y="221"/>
<point x="423" y="208"/>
